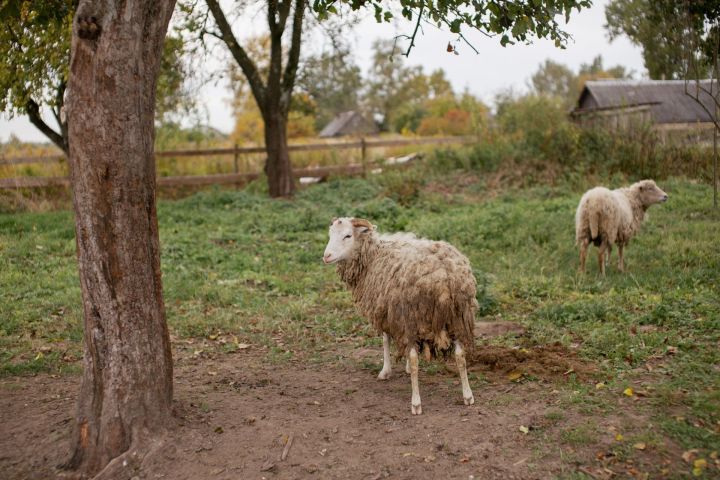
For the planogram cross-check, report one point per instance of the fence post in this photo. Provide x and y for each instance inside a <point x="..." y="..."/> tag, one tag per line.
<point x="235" y="163"/>
<point x="363" y="156"/>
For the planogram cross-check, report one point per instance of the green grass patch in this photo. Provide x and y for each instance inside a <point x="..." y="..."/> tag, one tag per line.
<point x="237" y="263"/>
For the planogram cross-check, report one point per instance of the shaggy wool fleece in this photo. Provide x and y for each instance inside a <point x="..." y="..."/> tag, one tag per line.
<point x="420" y="292"/>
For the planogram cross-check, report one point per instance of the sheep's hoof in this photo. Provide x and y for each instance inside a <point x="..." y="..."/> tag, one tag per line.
<point x="469" y="400"/>
<point x="384" y="374"/>
<point x="416" y="409"/>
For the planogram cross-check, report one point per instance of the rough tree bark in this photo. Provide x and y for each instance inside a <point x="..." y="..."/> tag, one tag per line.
<point x="272" y="94"/>
<point x="126" y="393"/>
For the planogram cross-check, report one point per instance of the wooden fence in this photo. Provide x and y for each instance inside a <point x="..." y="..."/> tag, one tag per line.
<point x="236" y="178"/>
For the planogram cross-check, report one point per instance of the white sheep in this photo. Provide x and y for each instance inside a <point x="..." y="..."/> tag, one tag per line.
<point x="420" y="293"/>
<point x="608" y="217"/>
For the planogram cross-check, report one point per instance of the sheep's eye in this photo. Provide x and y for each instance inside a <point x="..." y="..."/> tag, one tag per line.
<point x="346" y="237"/>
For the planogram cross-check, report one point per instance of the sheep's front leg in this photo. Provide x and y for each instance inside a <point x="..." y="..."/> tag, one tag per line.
<point x="387" y="367"/>
<point x="462" y="370"/>
<point x="621" y="259"/>
<point x="415" y="406"/>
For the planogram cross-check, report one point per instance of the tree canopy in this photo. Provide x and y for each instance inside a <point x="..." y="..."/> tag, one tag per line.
<point x="35" y="47"/>
<point x="513" y="21"/>
<point x="664" y="29"/>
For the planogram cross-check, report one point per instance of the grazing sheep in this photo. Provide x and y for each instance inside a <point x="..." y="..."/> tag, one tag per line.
<point x="607" y="217"/>
<point x="420" y="293"/>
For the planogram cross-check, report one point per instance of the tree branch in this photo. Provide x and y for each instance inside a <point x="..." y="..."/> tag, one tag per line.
<point x="414" y="34"/>
<point x="241" y="57"/>
<point x="33" y="111"/>
<point x="294" y="53"/>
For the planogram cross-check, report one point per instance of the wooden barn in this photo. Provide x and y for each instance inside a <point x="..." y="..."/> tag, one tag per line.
<point x="349" y="123"/>
<point x="662" y="104"/>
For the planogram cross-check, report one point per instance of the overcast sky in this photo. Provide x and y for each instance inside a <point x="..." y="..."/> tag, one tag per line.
<point x="493" y="70"/>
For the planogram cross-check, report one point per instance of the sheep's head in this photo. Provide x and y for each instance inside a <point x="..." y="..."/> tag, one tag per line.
<point x="649" y="194"/>
<point x="344" y="235"/>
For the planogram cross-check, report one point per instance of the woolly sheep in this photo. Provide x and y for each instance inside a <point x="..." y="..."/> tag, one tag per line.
<point x="608" y="217"/>
<point x="420" y="293"/>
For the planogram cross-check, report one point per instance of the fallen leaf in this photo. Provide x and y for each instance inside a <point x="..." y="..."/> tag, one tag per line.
<point x="639" y="446"/>
<point x="714" y="455"/>
<point x="599" y="386"/>
<point x="628" y="391"/>
<point x="672" y="350"/>
<point x="219" y="429"/>
<point x="689" y="455"/>
<point x="323" y="452"/>
<point x="242" y="346"/>
<point x="700" y="464"/>
<point x="515" y="376"/>
<point x="524" y="429"/>
<point x="619" y="437"/>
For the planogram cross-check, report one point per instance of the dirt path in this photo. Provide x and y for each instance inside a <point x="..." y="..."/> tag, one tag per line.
<point x="235" y="416"/>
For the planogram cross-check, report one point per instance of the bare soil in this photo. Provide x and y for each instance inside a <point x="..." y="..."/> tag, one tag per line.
<point x="236" y="415"/>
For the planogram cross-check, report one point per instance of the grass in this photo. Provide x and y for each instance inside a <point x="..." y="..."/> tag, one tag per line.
<point x="237" y="265"/>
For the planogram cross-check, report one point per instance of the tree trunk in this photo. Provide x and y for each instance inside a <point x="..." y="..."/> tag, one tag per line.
<point x="277" y="166"/>
<point x="126" y="393"/>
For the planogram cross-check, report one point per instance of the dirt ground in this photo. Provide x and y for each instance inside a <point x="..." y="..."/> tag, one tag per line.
<point x="236" y="416"/>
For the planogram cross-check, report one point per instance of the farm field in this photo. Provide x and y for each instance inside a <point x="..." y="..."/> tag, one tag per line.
<point x="575" y="377"/>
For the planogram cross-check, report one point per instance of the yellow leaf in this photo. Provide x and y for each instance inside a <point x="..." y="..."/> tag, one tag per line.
<point x="639" y="446"/>
<point x="619" y="437"/>
<point x="697" y="471"/>
<point x="700" y="463"/>
<point x="524" y="429"/>
<point x="714" y="455"/>
<point x="514" y="376"/>
<point x="628" y="391"/>
<point x="600" y="385"/>
<point x="39" y="356"/>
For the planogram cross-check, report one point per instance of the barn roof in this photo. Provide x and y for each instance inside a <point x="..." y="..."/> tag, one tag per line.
<point x="348" y="123"/>
<point x="667" y="98"/>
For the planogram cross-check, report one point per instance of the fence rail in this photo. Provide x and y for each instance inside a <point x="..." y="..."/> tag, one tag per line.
<point x="236" y="177"/>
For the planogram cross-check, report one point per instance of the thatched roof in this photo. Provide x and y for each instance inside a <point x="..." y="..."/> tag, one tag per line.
<point x="349" y="123"/>
<point x="667" y="99"/>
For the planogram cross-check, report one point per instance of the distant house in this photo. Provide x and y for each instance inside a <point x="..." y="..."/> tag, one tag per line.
<point x="349" y="123"/>
<point x="662" y="104"/>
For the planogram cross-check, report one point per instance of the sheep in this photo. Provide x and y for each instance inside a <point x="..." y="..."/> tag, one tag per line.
<point x="419" y="293"/>
<point x="608" y="217"/>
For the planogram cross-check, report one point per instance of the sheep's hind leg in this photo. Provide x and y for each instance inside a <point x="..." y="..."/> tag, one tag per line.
<point x="583" y="253"/>
<point x="462" y="370"/>
<point x="601" y="257"/>
<point x="621" y="259"/>
<point x="387" y="363"/>
<point x="415" y="406"/>
<point x="407" y="366"/>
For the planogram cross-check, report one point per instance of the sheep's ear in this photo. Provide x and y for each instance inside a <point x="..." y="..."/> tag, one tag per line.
<point x="361" y="225"/>
<point x="334" y="219"/>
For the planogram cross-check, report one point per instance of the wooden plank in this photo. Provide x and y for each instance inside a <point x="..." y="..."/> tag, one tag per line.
<point x="34" y="182"/>
<point x="25" y="160"/>
<point x="249" y="150"/>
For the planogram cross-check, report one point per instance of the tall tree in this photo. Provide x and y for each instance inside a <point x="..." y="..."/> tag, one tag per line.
<point x="654" y="26"/>
<point x="272" y="92"/>
<point x="126" y="393"/>
<point x="700" y="21"/>
<point x="557" y="80"/>
<point x="33" y="30"/>
<point x="333" y="81"/>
